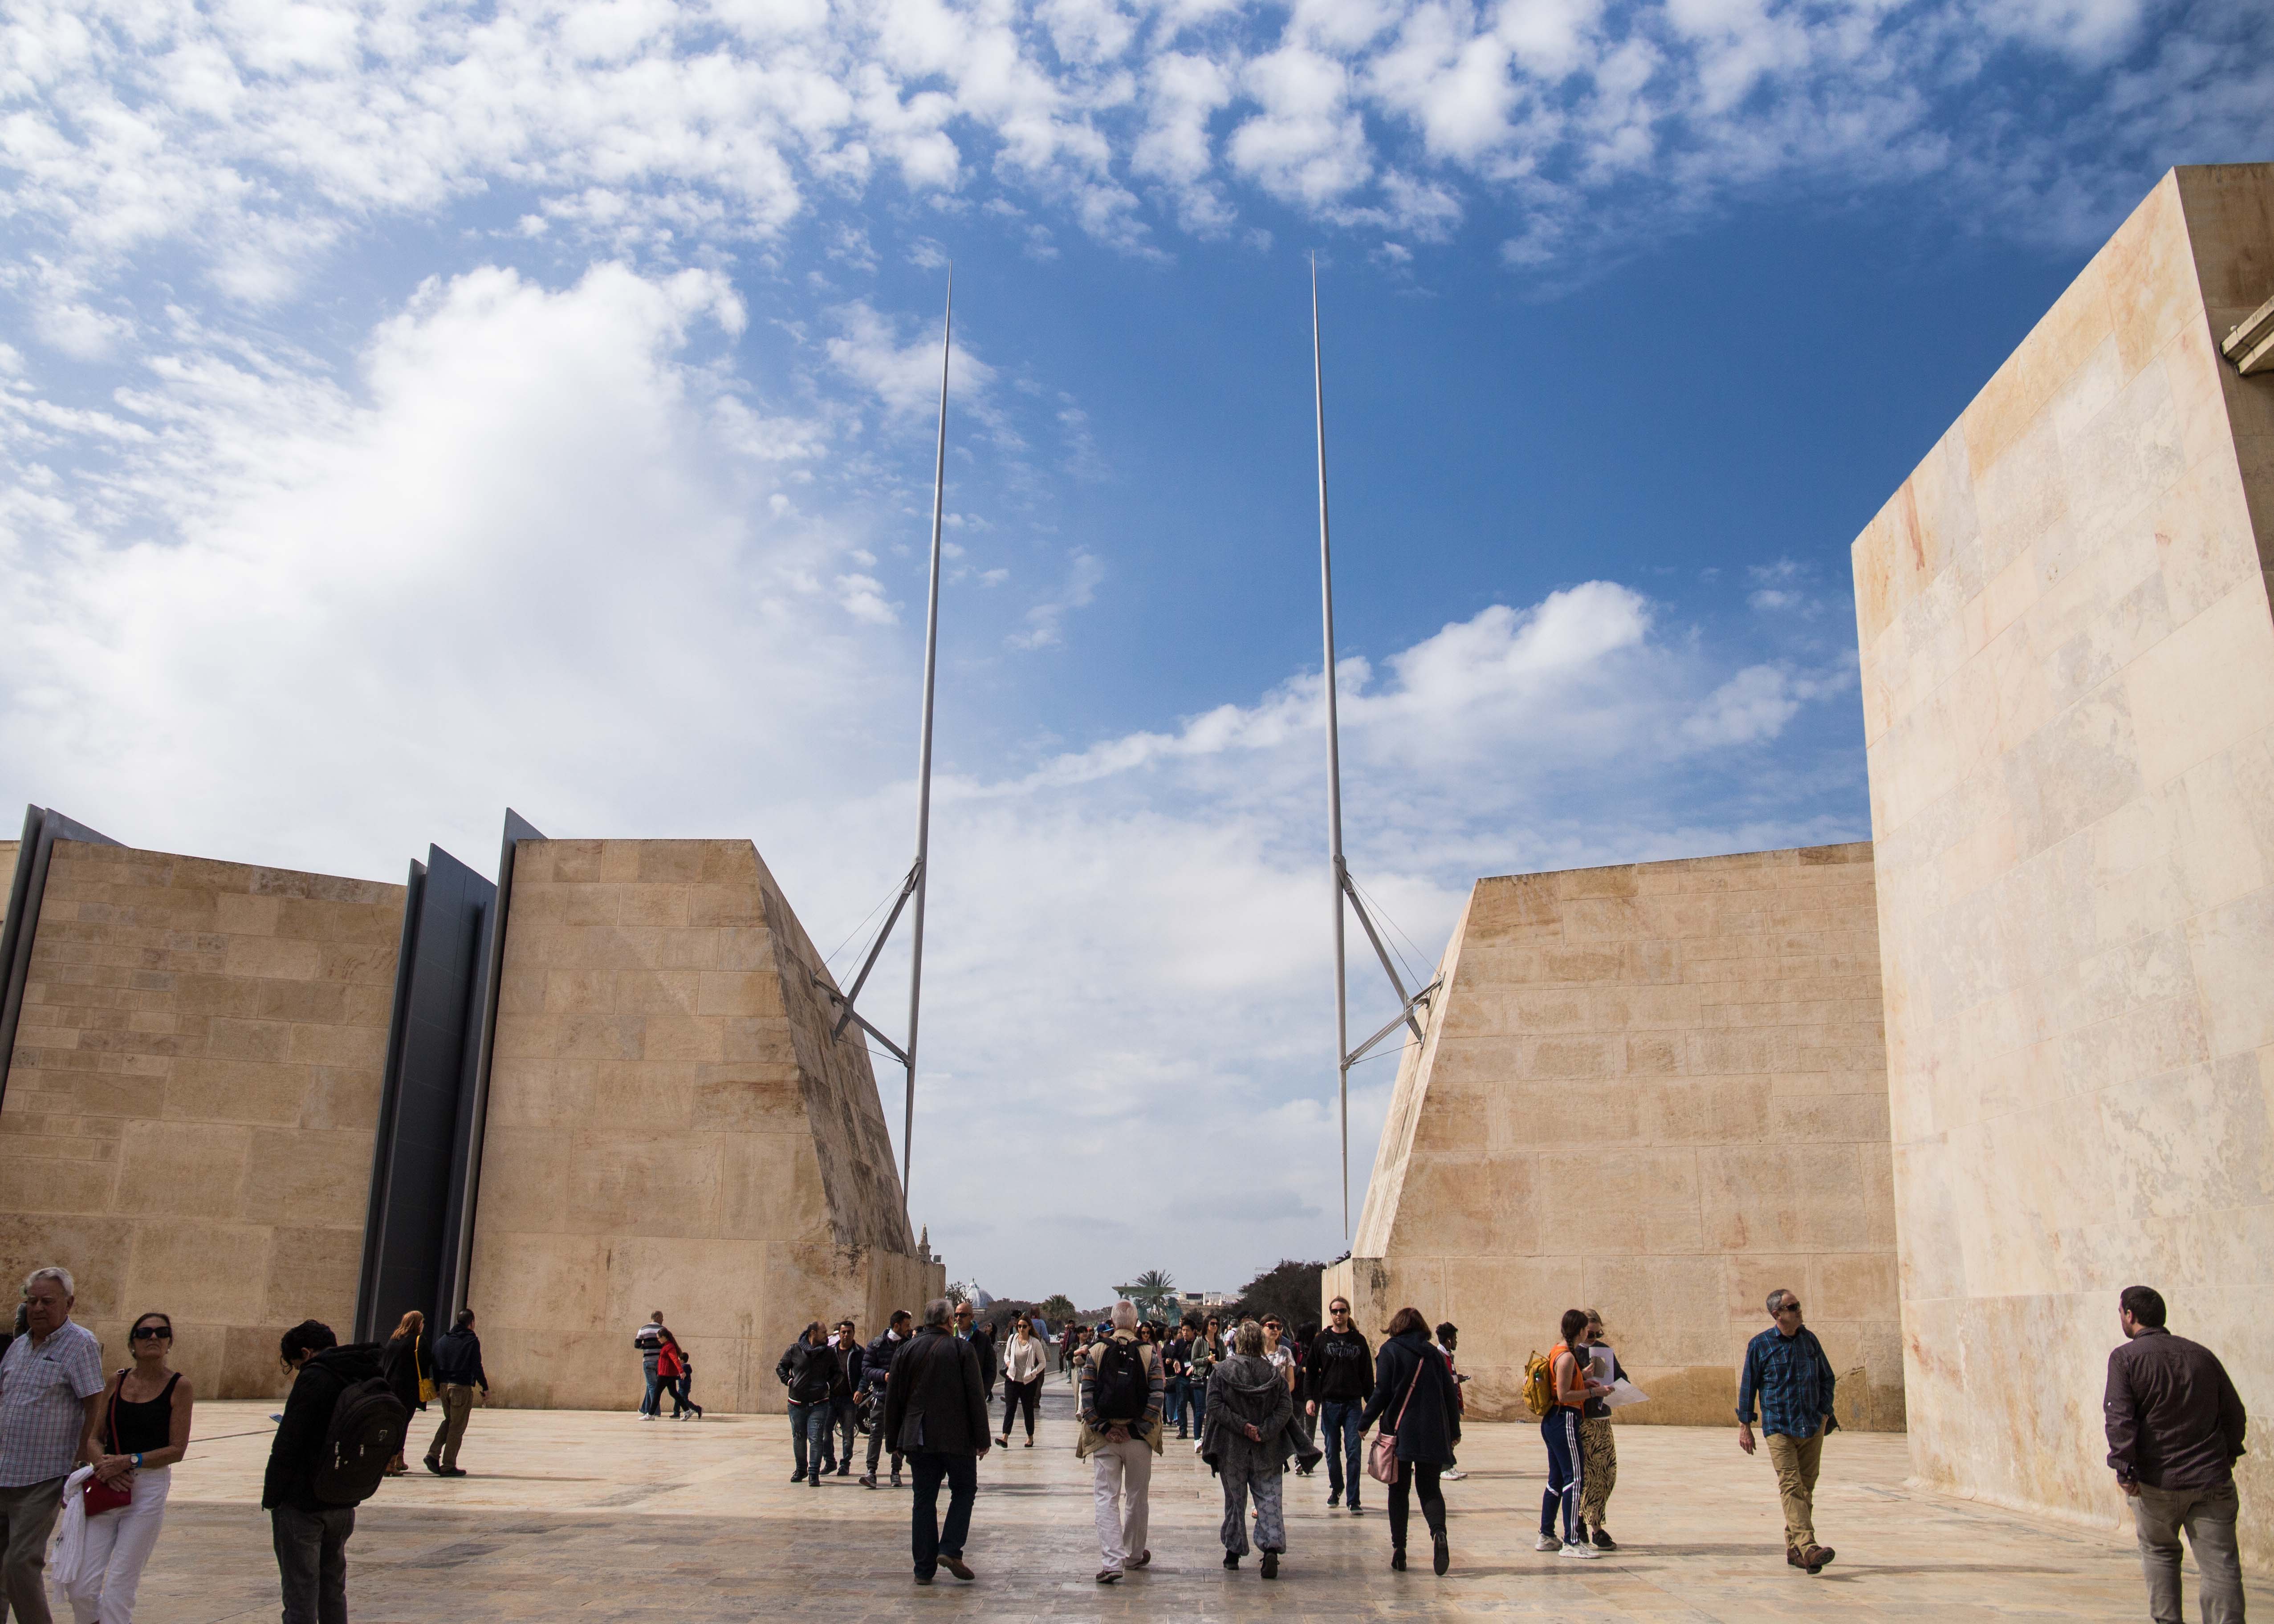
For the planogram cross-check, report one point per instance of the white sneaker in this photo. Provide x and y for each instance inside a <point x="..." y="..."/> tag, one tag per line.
<point x="1454" y="1475"/>
<point x="1581" y="1552"/>
<point x="1548" y="1542"/>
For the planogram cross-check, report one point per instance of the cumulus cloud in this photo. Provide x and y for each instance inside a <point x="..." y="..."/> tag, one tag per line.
<point x="257" y="141"/>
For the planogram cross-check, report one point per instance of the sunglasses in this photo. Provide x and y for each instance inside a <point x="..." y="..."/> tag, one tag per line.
<point x="1789" y="1308"/>
<point x="150" y="1333"/>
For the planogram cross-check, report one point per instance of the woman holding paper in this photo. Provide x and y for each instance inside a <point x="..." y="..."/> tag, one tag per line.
<point x="1598" y="1454"/>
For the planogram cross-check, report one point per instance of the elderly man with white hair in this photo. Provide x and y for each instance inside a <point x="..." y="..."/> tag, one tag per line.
<point x="51" y="1386"/>
<point x="1122" y="1387"/>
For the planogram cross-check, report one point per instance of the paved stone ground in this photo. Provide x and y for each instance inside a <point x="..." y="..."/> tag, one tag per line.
<point x="602" y="1517"/>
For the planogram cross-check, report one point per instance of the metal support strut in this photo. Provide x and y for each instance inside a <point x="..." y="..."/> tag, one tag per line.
<point x="1345" y="892"/>
<point x="913" y="887"/>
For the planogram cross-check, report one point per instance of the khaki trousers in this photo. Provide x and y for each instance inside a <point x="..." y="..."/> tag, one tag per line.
<point x="458" y="1404"/>
<point x="1796" y="1459"/>
<point x="2207" y="1515"/>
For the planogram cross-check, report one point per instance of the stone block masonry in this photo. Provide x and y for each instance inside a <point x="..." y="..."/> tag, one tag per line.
<point x="189" y="1112"/>
<point x="2068" y="698"/>
<point x="1657" y="1090"/>
<point x="670" y="1125"/>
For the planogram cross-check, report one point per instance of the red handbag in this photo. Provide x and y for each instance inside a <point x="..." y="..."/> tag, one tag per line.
<point x="99" y="1497"/>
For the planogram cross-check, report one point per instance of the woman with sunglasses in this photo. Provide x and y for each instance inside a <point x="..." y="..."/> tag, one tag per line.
<point x="145" y="1428"/>
<point x="1024" y="1362"/>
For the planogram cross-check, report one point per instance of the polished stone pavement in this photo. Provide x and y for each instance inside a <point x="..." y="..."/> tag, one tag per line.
<point x="603" y="1517"/>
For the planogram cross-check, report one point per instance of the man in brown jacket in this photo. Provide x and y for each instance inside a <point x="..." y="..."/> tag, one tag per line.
<point x="2175" y="1432"/>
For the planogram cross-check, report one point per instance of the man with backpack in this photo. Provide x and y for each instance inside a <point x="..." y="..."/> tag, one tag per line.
<point x="341" y="1425"/>
<point x="1122" y="1389"/>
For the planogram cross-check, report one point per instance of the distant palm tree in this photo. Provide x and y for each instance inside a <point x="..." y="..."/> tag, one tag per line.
<point x="1057" y="1307"/>
<point x="1151" y="1290"/>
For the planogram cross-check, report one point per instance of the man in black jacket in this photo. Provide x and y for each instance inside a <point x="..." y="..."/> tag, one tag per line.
<point x="935" y="1411"/>
<point x="457" y="1372"/>
<point x="875" y="1379"/>
<point x="844" y="1391"/>
<point x="2175" y="1426"/>
<point x="312" y="1537"/>
<point x="1338" y="1371"/>
<point x="808" y="1370"/>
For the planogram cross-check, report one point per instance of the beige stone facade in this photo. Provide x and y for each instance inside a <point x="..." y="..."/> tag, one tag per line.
<point x="189" y="1113"/>
<point x="2069" y="694"/>
<point x="671" y="1127"/>
<point x="1657" y="1090"/>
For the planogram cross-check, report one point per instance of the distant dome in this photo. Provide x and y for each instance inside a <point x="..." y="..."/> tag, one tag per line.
<point x="979" y="1301"/>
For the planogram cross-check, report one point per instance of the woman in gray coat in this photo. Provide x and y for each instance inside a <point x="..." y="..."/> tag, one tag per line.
<point x="1246" y="1436"/>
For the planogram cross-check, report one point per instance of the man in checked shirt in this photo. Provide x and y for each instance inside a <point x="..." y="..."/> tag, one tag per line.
<point x="50" y="1395"/>
<point x="1785" y="1368"/>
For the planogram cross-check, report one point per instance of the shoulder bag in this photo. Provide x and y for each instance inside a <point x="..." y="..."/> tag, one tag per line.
<point x="419" y="1364"/>
<point x="99" y="1497"/>
<point x="1381" y="1459"/>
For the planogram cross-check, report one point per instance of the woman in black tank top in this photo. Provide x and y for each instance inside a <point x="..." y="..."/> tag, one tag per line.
<point x="145" y="1428"/>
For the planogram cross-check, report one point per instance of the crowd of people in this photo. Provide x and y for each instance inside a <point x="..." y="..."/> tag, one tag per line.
<point x="95" y="1451"/>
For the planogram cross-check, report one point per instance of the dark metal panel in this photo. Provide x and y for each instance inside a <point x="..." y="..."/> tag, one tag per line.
<point x="42" y="827"/>
<point x="468" y="1172"/>
<point x="410" y="1251"/>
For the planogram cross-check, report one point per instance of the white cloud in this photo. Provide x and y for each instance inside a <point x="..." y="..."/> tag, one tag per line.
<point x="259" y="142"/>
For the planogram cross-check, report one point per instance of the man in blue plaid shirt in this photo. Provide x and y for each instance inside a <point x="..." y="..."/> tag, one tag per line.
<point x="1785" y="1369"/>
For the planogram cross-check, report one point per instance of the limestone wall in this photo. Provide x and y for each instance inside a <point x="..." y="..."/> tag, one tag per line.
<point x="7" y="865"/>
<point x="188" y="1120"/>
<point x="2069" y="694"/>
<point x="670" y="1127"/>
<point x="1656" y="1090"/>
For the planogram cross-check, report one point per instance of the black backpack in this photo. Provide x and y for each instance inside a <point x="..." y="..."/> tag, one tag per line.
<point x="367" y="1429"/>
<point x="1121" y="1387"/>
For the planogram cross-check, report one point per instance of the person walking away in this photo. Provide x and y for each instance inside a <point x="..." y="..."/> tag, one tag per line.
<point x="457" y="1372"/>
<point x="52" y="1389"/>
<point x="807" y="1369"/>
<point x="1024" y="1363"/>
<point x="402" y="1362"/>
<point x="310" y="1499"/>
<point x="1415" y="1401"/>
<point x="876" y="1376"/>
<point x="1200" y="1363"/>
<point x="649" y="1340"/>
<point x="1246" y="1440"/>
<point x="2175" y="1425"/>
<point x="682" y="1385"/>
<point x="1570" y="1387"/>
<point x="1338" y="1374"/>
<point x="845" y="1392"/>
<point x="143" y="1428"/>
<point x="1785" y="1368"/>
<point x="935" y="1411"/>
<point x="1598" y="1450"/>
<point x="1120" y="1410"/>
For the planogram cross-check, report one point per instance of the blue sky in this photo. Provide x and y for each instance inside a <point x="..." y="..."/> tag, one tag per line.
<point x="410" y="409"/>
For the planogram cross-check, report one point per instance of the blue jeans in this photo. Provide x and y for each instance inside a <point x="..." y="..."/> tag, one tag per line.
<point x="1338" y="1420"/>
<point x="808" y="1435"/>
<point x="1180" y="1393"/>
<point x="653" y="1404"/>
<point x="1199" y="1397"/>
<point x="929" y="1538"/>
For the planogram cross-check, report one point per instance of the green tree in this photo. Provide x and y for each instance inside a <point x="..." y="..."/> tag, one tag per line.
<point x="1287" y="1288"/>
<point x="1058" y="1308"/>
<point x="958" y="1292"/>
<point x="1153" y="1291"/>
